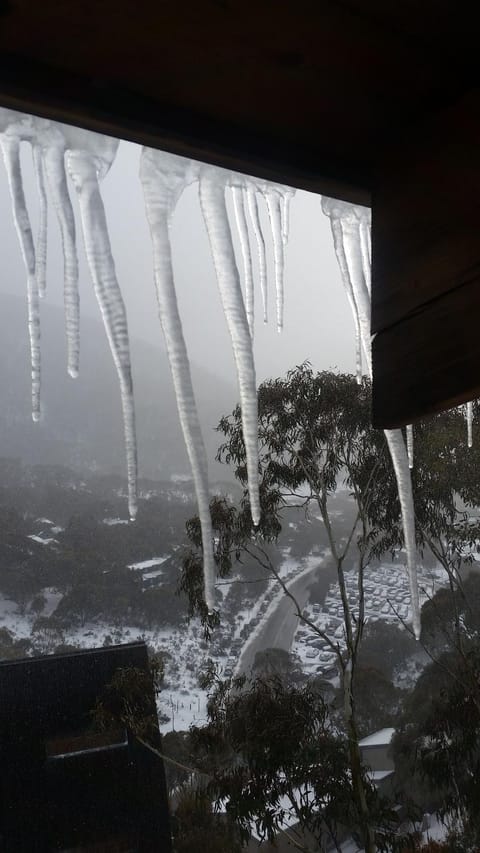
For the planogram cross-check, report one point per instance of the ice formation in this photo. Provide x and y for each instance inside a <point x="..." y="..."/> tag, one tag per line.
<point x="88" y="159"/>
<point x="350" y="228"/>
<point x="89" y="156"/>
<point x="212" y="200"/>
<point x="275" y="205"/>
<point x="164" y="177"/>
<point x="252" y="205"/>
<point x="54" y="145"/>
<point x="241" y="220"/>
<point x="41" y="248"/>
<point x="410" y="445"/>
<point x="469" y="408"/>
<point x="14" y="128"/>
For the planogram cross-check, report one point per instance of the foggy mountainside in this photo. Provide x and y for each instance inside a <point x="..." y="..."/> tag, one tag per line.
<point x="81" y="425"/>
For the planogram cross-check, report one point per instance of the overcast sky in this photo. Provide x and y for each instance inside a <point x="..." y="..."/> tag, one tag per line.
<point x="318" y="325"/>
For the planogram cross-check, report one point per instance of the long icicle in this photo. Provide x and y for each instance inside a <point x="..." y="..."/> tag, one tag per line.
<point x="285" y="215"/>
<point x="275" y="215"/>
<point x="41" y="249"/>
<point x="11" y="154"/>
<point x="83" y="170"/>
<point x="337" y="234"/>
<point x="163" y="182"/>
<point x="366" y="246"/>
<point x="410" y="445"/>
<point x="470" y="423"/>
<point x="350" y="219"/>
<point x="352" y="245"/>
<point x="53" y="156"/>
<point x="252" y="206"/>
<point x="242" y="227"/>
<point x="212" y="201"/>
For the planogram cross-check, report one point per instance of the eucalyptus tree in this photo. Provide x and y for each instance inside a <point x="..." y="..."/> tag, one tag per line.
<point x="314" y="434"/>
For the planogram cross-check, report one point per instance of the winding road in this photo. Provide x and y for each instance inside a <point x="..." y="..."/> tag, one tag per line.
<point x="279" y="624"/>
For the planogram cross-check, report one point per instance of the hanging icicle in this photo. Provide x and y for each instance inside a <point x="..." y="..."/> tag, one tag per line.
<point x="242" y="227"/>
<point x="41" y="249"/>
<point x="470" y="423"/>
<point x="88" y="158"/>
<point x="13" y="131"/>
<point x="348" y="222"/>
<point x="410" y="445"/>
<point x="53" y="151"/>
<point x="252" y="206"/>
<point x="164" y="177"/>
<point x="212" y="201"/>
<point x="337" y="234"/>
<point x="274" y="207"/>
<point x="366" y="244"/>
<point x="285" y="214"/>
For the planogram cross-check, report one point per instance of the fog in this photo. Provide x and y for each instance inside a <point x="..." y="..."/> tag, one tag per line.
<point x="318" y="326"/>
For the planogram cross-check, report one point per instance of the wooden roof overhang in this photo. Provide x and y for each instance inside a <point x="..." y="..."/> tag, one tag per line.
<point x="369" y="101"/>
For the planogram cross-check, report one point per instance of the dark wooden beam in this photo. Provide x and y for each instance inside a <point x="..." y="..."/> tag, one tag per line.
<point x="304" y="93"/>
<point x="426" y="269"/>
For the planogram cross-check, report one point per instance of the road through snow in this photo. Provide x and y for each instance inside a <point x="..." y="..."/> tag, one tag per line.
<point x="280" y="622"/>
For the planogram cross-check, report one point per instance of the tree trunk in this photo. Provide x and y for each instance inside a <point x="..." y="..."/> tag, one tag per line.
<point x="356" y="762"/>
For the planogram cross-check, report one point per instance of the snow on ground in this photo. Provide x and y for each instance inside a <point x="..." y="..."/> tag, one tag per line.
<point x="15" y="619"/>
<point x="387" y="597"/>
<point x="112" y="522"/>
<point x="41" y="539"/>
<point x="52" y="599"/>
<point x="147" y="564"/>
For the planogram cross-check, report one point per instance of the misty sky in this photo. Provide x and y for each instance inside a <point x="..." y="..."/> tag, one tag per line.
<point x="318" y="324"/>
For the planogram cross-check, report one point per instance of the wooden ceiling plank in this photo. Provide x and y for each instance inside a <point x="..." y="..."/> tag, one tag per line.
<point x="426" y="214"/>
<point x="426" y="268"/>
<point x="430" y="361"/>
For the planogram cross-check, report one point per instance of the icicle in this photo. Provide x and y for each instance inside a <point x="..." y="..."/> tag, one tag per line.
<point x="396" y="446"/>
<point x="239" y="208"/>
<point x="212" y="201"/>
<point x="53" y="157"/>
<point x="285" y="214"/>
<point x="337" y="234"/>
<point x="272" y="198"/>
<point x="349" y="237"/>
<point x="11" y="154"/>
<point x="366" y="244"/>
<point x="84" y="167"/>
<point x="41" y="251"/>
<point x="164" y="178"/>
<point x="410" y="445"/>
<point x="347" y="222"/>
<point x="257" y="230"/>
<point x="470" y="423"/>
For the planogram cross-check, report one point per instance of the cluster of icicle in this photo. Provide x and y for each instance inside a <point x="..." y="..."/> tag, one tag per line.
<point x="351" y="236"/>
<point x="57" y="150"/>
<point x="164" y="178"/>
